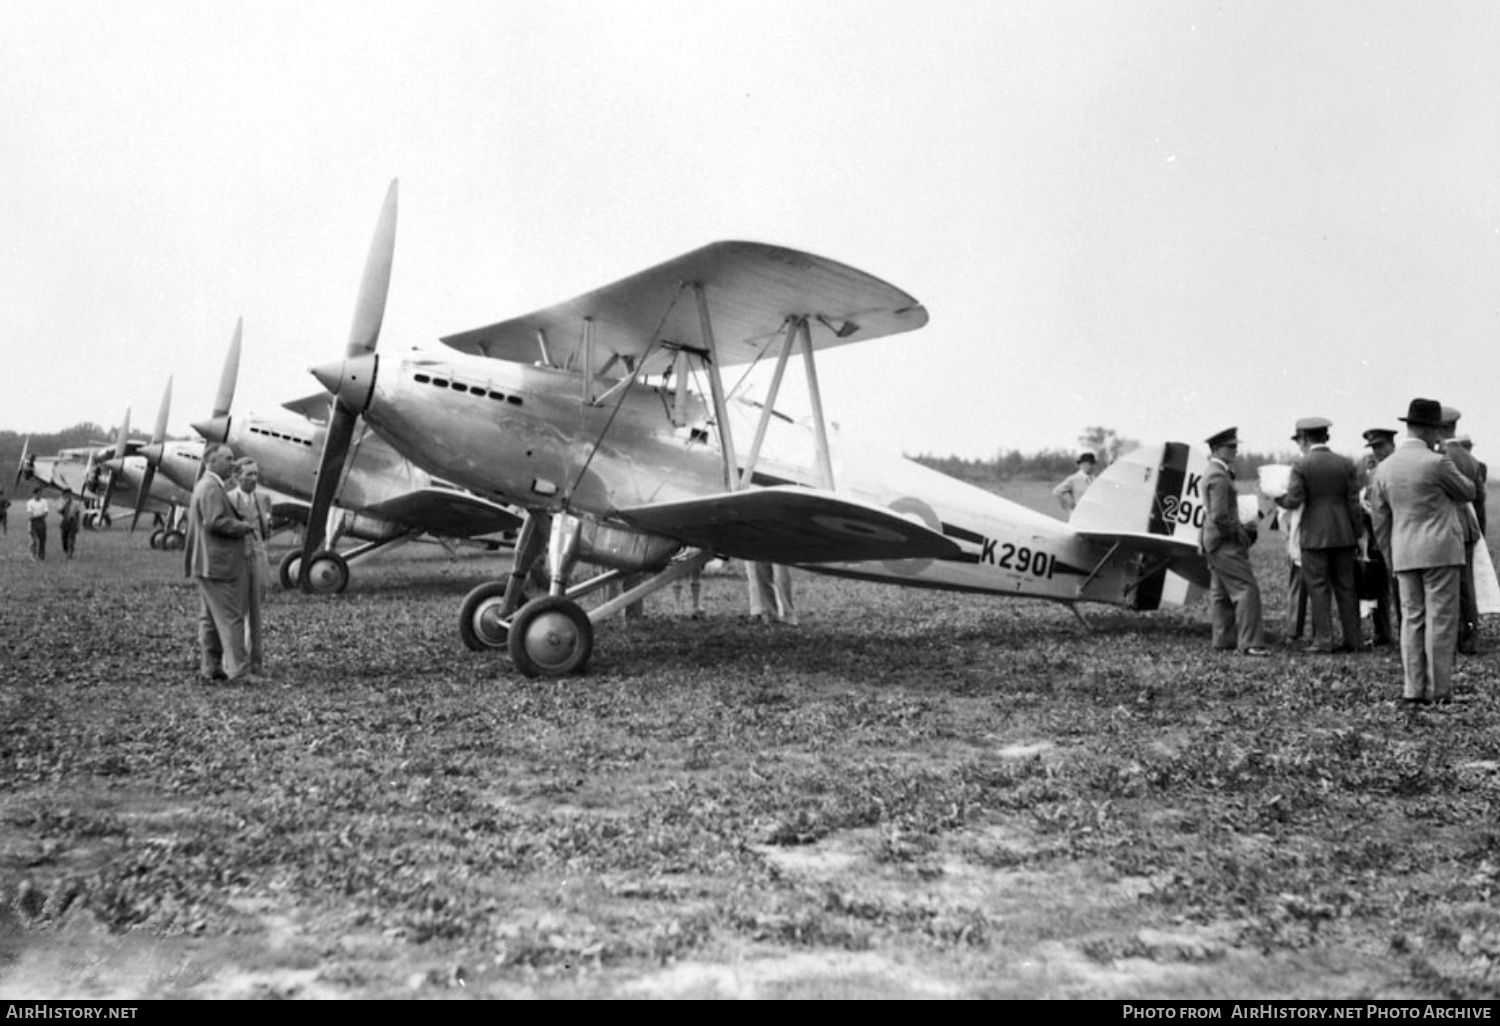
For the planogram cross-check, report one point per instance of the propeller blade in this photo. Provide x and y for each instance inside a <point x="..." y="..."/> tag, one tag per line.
<point x="159" y="435"/>
<point x="140" y="499"/>
<point x="369" y="308"/>
<point x="122" y="436"/>
<point x="330" y="469"/>
<point x="230" y="373"/>
<point x="21" y="466"/>
<point x="364" y="334"/>
<point x="120" y="439"/>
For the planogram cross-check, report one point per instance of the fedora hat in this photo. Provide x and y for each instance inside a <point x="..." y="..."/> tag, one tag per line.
<point x="1423" y="413"/>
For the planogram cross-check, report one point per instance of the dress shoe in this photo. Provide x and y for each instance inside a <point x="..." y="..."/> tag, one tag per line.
<point x="253" y="680"/>
<point x="1257" y="651"/>
<point x="1319" y="649"/>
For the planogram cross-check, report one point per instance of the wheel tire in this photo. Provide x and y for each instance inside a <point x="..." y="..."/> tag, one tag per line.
<point x="174" y="541"/>
<point x="289" y="568"/>
<point x="327" y="573"/>
<point x="550" y="637"/>
<point x="479" y="622"/>
<point x="156" y="537"/>
<point x="104" y="519"/>
<point x="91" y="520"/>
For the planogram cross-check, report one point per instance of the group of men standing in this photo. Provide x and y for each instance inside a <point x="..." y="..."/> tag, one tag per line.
<point x="1418" y="523"/>
<point x="227" y="528"/>
<point x="70" y="516"/>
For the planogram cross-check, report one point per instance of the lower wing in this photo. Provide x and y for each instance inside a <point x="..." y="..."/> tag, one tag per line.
<point x="446" y="513"/>
<point x="788" y="524"/>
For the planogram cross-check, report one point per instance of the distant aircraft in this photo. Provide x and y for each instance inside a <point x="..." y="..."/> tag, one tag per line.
<point x="382" y="498"/>
<point x="582" y="414"/>
<point x="101" y="475"/>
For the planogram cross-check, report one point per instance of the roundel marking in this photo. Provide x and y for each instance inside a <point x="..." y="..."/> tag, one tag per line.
<point x="913" y="509"/>
<point x="857" y="528"/>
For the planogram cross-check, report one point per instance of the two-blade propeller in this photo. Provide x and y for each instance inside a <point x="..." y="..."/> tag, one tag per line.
<point x="364" y="333"/>
<point x="117" y="464"/>
<point x="153" y="453"/>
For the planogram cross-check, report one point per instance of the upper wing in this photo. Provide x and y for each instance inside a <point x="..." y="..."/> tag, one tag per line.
<point x="788" y="524"/>
<point x="751" y="290"/>
<point x="447" y="513"/>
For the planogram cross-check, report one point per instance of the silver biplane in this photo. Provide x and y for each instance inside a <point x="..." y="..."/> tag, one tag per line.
<point x="382" y="500"/>
<point x="582" y="415"/>
<point x="102" y="476"/>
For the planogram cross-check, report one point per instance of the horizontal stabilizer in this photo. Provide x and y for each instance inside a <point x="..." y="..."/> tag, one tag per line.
<point x="1181" y="556"/>
<point x="788" y="524"/>
<point x="751" y="290"/>
<point x="449" y="514"/>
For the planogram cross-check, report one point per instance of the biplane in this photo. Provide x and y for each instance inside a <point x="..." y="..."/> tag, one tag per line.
<point x="606" y="418"/>
<point x="382" y="500"/>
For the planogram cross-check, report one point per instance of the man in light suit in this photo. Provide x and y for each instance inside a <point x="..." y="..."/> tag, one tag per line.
<point x="1415" y="506"/>
<point x="1325" y="486"/>
<point x="1234" y="593"/>
<point x="254" y="508"/>
<point x="1468" y="466"/>
<point x="215" y="559"/>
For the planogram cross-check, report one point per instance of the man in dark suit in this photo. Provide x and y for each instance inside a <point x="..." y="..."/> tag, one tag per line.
<point x="1234" y="593"/>
<point x="1325" y="486"/>
<point x="1480" y="483"/>
<point x="1386" y="617"/>
<point x="1468" y="628"/>
<point x="215" y="559"/>
<point x="1415" y="505"/>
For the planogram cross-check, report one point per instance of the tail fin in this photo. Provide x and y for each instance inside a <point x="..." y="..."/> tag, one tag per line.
<point x="1157" y="490"/>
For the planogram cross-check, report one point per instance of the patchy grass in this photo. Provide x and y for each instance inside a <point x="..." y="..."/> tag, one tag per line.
<point x="912" y="794"/>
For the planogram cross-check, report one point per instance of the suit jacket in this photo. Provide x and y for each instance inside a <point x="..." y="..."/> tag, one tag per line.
<point x="215" y="533"/>
<point x="1221" y="517"/>
<point x="1326" y="486"/>
<point x="1414" y="503"/>
<point x="255" y="509"/>
<point x="1468" y="466"/>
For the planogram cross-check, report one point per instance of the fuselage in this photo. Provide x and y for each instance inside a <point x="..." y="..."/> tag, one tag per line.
<point x="524" y="435"/>
<point x="286" y="446"/>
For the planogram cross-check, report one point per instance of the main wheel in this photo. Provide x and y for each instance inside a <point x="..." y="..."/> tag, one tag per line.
<point x="480" y="624"/>
<point x="288" y="570"/>
<point x="91" y="520"/>
<point x="156" y="537"/>
<point x="550" y="637"/>
<point x="174" y="541"/>
<point x="327" y="573"/>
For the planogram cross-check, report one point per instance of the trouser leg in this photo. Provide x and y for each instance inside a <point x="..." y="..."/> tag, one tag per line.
<point x="1415" y="683"/>
<point x="1444" y="587"/>
<point x="1319" y="595"/>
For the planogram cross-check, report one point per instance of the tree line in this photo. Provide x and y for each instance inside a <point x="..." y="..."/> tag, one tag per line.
<point x="1055" y="464"/>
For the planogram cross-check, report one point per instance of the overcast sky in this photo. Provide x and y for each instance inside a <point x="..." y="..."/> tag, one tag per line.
<point x="1161" y="217"/>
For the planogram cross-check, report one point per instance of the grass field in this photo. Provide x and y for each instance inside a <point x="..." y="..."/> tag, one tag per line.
<point x="911" y="794"/>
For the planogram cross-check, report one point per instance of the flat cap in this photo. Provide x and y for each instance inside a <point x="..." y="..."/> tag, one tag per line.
<point x="1313" y="424"/>
<point x="1229" y="436"/>
<point x="1379" y="434"/>
<point x="1450" y="416"/>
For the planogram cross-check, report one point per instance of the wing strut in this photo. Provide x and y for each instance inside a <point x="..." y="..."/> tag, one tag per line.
<point x="815" y="396"/>
<point x="787" y="341"/>
<point x="716" y="385"/>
